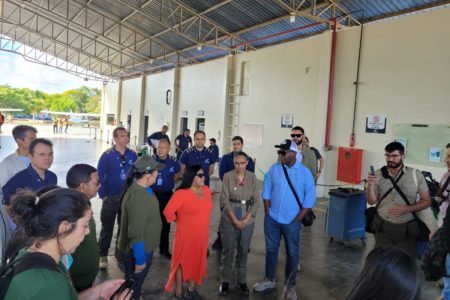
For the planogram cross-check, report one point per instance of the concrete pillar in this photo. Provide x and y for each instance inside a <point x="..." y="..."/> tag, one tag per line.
<point x="174" y="130"/>
<point x="140" y="135"/>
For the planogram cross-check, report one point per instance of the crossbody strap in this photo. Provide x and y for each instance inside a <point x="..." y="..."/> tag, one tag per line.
<point x="402" y="195"/>
<point x="290" y="185"/>
<point x="390" y="190"/>
<point x="444" y="187"/>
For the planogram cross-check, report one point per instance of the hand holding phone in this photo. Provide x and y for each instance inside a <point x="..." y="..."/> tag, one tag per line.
<point x="129" y="284"/>
<point x="372" y="170"/>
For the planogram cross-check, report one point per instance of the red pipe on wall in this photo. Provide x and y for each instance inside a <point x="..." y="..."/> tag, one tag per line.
<point x="331" y="85"/>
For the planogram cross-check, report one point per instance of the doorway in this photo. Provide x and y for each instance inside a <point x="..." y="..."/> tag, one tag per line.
<point x="145" y="129"/>
<point x="183" y="124"/>
<point x="200" y="124"/>
<point x="129" y="125"/>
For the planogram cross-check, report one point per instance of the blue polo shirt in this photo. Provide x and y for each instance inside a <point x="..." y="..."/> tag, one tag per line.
<point x="227" y="164"/>
<point x="191" y="156"/>
<point x="283" y="206"/>
<point x="214" y="149"/>
<point x="164" y="181"/>
<point x="183" y="141"/>
<point x="113" y="171"/>
<point x="27" y="179"/>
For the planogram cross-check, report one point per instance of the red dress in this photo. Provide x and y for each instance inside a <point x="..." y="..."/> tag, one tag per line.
<point x="191" y="234"/>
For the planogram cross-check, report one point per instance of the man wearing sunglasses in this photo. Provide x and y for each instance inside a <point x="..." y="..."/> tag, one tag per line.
<point x="395" y="224"/>
<point x="113" y="168"/>
<point x="283" y="215"/>
<point x="304" y="154"/>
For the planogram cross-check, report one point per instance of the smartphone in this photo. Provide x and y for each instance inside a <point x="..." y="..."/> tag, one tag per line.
<point x="372" y="170"/>
<point x="129" y="284"/>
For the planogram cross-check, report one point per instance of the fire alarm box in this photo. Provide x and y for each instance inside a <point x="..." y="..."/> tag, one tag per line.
<point x="349" y="164"/>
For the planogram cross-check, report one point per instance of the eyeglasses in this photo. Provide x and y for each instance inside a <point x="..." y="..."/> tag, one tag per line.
<point x="296" y="135"/>
<point x="200" y="175"/>
<point x="392" y="155"/>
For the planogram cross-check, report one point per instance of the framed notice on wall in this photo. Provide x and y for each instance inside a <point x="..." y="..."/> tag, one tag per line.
<point x="253" y="135"/>
<point x="376" y="124"/>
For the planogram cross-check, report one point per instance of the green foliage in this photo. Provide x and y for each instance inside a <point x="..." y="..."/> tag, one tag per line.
<point x="83" y="99"/>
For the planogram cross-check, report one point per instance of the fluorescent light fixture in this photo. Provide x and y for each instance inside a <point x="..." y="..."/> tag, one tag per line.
<point x="292" y="17"/>
<point x="199" y="47"/>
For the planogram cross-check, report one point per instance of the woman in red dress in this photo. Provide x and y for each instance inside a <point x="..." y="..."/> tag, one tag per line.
<point x="190" y="207"/>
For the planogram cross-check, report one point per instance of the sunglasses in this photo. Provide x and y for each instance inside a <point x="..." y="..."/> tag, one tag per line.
<point x="296" y="135"/>
<point x="281" y="152"/>
<point x="200" y="175"/>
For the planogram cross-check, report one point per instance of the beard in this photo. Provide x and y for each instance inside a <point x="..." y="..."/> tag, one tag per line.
<point x="394" y="165"/>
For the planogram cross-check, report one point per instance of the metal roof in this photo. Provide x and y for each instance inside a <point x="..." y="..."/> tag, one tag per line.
<point x="111" y="39"/>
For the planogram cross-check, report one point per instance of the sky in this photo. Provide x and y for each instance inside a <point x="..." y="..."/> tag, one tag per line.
<point x="19" y="73"/>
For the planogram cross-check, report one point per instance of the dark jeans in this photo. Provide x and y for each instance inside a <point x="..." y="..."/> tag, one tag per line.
<point x="129" y="264"/>
<point x="110" y="209"/>
<point x="163" y="199"/>
<point x="273" y="232"/>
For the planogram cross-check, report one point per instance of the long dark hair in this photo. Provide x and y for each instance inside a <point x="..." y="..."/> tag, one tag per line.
<point x="189" y="176"/>
<point x="40" y="216"/>
<point x="389" y="273"/>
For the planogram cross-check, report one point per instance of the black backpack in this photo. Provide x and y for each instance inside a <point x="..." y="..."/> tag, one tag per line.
<point x="433" y="258"/>
<point x="34" y="260"/>
<point x="432" y="184"/>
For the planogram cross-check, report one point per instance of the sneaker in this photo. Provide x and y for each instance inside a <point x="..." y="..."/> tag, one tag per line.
<point x="223" y="289"/>
<point x="291" y="294"/>
<point x="264" y="285"/>
<point x="103" y="264"/>
<point x="192" y="295"/>
<point x="243" y="289"/>
<point x="217" y="245"/>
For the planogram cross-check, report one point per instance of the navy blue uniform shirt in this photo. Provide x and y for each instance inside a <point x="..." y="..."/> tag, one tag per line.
<point x="183" y="141"/>
<point x="214" y="149"/>
<point x="27" y="179"/>
<point x="164" y="181"/>
<point x="227" y="164"/>
<point x="113" y="170"/>
<point x="191" y="156"/>
<point x="157" y="136"/>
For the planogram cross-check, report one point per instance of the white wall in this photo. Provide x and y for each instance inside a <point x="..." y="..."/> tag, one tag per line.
<point x="111" y="97"/>
<point x="131" y="104"/>
<point x="202" y="87"/>
<point x="155" y="101"/>
<point x="404" y="75"/>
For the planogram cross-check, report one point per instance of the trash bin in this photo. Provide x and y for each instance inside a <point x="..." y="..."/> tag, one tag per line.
<point x="346" y="215"/>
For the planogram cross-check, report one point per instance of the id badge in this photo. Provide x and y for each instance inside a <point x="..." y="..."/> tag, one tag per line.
<point x="123" y="175"/>
<point x="159" y="181"/>
<point x="238" y="212"/>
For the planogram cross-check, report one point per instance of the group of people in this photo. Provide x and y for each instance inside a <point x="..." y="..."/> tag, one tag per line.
<point x="56" y="224"/>
<point x="60" y="124"/>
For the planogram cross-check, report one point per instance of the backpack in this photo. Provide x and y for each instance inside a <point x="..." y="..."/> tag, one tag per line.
<point x="32" y="260"/>
<point x="432" y="184"/>
<point x="433" y="258"/>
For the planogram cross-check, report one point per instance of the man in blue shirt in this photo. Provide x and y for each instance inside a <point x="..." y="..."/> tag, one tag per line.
<point x="283" y="215"/>
<point x="226" y="165"/>
<point x="198" y="155"/>
<point x="182" y="142"/>
<point x="155" y="137"/>
<point x="163" y="189"/>
<point x="113" y="168"/>
<point x="213" y="148"/>
<point x="36" y="175"/>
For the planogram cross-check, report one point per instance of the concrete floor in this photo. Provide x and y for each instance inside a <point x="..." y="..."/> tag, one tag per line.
<point x="328" y="268"/>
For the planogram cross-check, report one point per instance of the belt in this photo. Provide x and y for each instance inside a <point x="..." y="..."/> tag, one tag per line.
<point x="243" y="202"/>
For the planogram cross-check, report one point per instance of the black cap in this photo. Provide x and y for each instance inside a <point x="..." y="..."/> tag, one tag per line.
<point x="287" y="145"/>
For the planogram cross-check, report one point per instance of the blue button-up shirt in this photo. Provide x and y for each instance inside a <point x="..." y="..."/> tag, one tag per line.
<point x="227" y="164"/>
<point x="283" y="206"/>
<point x="191" y="156"/>
<point x="164" y="181"/>
<point x="27" y="179"/>
<point x="113" y="171"/>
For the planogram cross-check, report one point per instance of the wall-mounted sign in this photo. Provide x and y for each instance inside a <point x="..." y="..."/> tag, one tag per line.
<point x="376" y="124"/>
<point x="184" y="113"/>
<point x="287" y="120"/>
<point x="200" y="113"/>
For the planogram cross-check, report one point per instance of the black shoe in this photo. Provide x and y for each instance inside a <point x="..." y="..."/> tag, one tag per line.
<point x="192" y="295"/>
<point x="244" y="289"/>
<point x="166" y="254"/>
<point x="223" y="289"/>
<point x="217" y="245"/>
